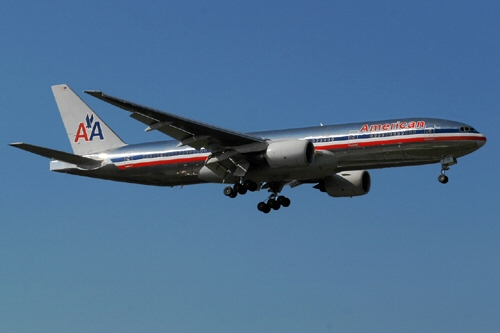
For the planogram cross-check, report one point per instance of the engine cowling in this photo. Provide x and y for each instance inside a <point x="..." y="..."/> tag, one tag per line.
<point x="348" y="184"/>
<point x="290" y="153"/>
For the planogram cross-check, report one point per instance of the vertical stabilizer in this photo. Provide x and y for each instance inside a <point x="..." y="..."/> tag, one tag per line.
<point x="86" y="131"/>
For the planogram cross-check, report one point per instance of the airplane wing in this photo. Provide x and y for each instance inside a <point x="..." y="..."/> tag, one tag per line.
<point x="188" y="132"/>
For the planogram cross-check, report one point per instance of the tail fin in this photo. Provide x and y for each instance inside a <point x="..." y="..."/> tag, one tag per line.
<point x="86" y="131"/>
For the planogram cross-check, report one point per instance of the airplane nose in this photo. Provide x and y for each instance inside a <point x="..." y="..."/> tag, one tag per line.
<point x="482" y="141"/>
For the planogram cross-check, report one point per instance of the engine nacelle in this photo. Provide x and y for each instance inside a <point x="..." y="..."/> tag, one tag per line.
<point x="348" y="184"/>
<point x="290" y="153"/>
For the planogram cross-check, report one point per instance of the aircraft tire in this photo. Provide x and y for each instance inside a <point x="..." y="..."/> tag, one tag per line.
<point x="274" y="204"/>
<point x="237" y="187"/>
<point x="229" y="192"/>
<point x="250" y="185"/>
<point x="263" y="207"/>
<point x="240" y="188"/>
<point x="284" y="201"/>
<point x="443" y="179"/>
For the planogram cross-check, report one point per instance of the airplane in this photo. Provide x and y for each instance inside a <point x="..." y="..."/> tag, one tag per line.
<point x="333" y="159"/>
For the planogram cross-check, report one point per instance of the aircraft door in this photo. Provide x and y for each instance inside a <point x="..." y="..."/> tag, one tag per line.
<point x="127" y="159"/>
<point x="353" y="138"/>
<point x="429" y="132"/>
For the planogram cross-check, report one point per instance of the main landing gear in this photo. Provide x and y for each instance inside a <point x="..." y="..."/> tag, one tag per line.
<point x="445" y="165"/>
<point x="274" y="201"/>
<point x="240" y="188"/>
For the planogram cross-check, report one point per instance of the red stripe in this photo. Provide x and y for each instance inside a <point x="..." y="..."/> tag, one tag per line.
<point x="162" y="162"/>
<point x="396" y="141"/>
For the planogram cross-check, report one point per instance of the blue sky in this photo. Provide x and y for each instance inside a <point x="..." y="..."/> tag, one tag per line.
<point x="85" y="255"/>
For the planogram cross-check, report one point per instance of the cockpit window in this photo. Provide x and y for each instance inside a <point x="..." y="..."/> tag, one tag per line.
<point x="467" y="129"/>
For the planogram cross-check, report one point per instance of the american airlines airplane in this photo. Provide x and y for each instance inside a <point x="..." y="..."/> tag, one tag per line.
<point x="332" y="158"/>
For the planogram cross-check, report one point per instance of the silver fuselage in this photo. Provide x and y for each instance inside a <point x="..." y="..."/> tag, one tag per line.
<point x="355" y="146"/>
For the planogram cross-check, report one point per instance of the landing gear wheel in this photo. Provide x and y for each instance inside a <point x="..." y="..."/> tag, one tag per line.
<point x="443" y="179"/>
<point x="263" y="207"/>
<point x="240" y="188"/>
<point x="283" y="201"/>
<point x="250" y="185"/>
<point x="228" y="191"/>
<point x="274" y="204"/>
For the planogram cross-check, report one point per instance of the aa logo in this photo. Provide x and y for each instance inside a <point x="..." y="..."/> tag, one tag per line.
<point x="89" y="130"/>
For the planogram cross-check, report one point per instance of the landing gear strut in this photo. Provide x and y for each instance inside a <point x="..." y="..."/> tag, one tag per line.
<point x="445" y="165"/>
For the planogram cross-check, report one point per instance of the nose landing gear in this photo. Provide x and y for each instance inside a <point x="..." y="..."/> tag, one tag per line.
<point x="446" y="162"/>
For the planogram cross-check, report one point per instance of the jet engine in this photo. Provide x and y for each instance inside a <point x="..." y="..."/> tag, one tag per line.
<point x="347" y="184"/>
<point x="290" y="154"/>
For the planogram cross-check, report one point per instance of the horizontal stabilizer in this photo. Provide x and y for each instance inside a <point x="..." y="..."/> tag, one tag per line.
<point x="80" y="161"/>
